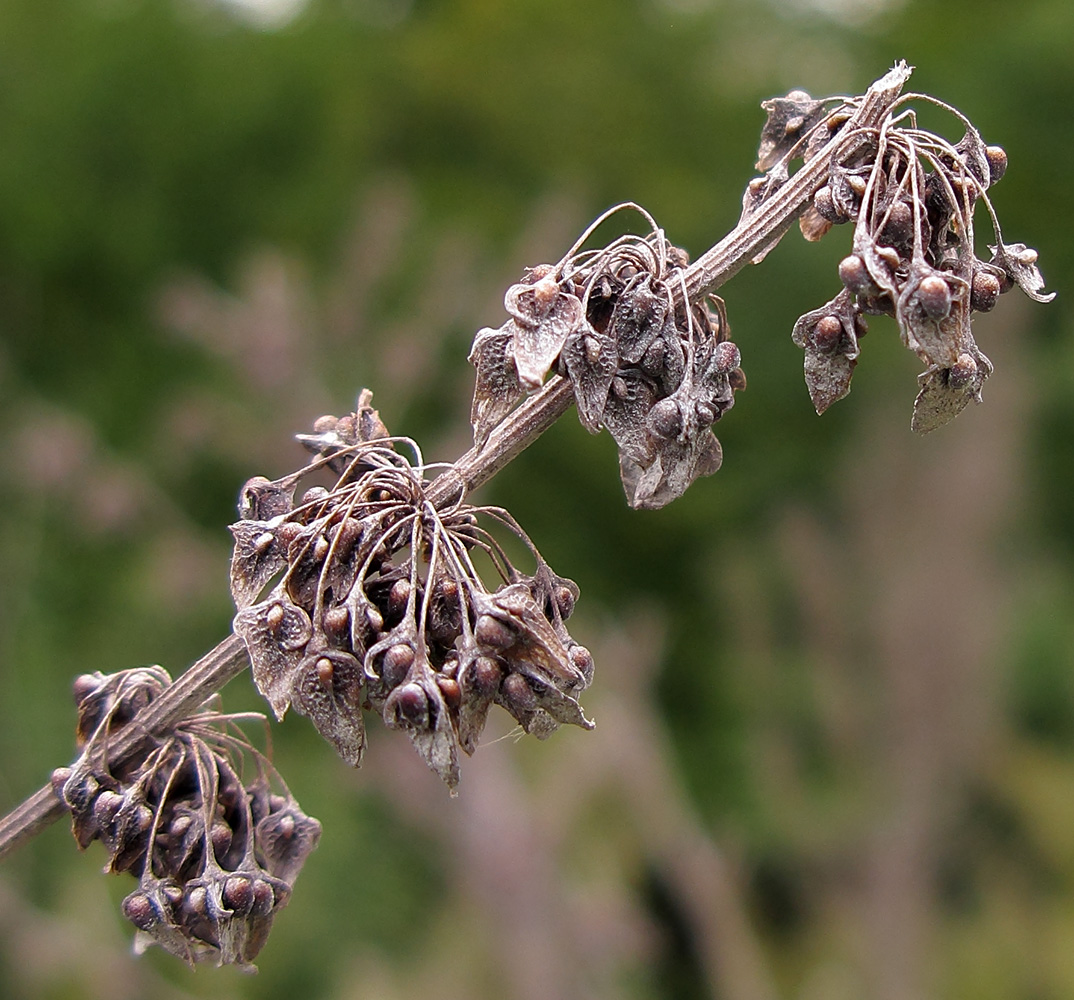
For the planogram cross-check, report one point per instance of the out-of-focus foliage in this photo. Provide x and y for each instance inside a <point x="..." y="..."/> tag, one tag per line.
<point x="834" y="698"/>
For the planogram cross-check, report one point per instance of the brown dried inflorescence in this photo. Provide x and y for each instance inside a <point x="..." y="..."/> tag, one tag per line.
<point x="911" y="195"/>
<point x="378" y="604"/>
<point x="655" y="371"/>
<point x="201" y="819"/>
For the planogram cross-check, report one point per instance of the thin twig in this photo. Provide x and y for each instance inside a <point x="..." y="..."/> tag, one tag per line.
<point x="513" y="435"/>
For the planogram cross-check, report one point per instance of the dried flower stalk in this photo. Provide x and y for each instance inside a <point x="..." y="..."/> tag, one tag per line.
<point x="389" y="592"/>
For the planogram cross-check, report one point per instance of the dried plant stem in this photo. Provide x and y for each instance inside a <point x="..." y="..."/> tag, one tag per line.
<point x="513" y="435"/>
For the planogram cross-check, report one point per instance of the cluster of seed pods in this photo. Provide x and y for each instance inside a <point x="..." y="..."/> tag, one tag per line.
<point x="651" y="369"/>
<point x="911" y="196"/>
<point x="378" y="603"/>
<point x="215" y="850"/>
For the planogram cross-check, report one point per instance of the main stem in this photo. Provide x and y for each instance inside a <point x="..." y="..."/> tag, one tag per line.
<point x="512" y="437"/>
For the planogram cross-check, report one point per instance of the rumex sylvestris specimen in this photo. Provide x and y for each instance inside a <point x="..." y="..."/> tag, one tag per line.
<point x="386" y="591"/>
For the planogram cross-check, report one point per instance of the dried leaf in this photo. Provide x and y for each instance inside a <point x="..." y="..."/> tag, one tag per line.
<point x="327" y="689"/>
<point x="629" y="402"/>
<point x="276" y="633"/>
<point x="944" y="394"/>
<point x="591" y="360"/>
<point x="831" y="352"/>
<point x="640" y="315"/>
<point x="789" y="119"/>
<point x="539" y="336"/>
<point x="1020" y="264"/>
<point x="256" y="558"/>
<point x="498" y="388"/>
<point x="675" y="465"/>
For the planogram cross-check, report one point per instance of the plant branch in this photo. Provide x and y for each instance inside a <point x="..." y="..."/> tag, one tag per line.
<point x="751" y="237"/>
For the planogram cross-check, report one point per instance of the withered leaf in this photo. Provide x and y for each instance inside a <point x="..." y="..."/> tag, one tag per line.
<point x="1020" y="263"/>
<point x="941" y="399"/>
<point x="539" y="336"/>
<point x="276" y="633"/>
<point x="591" y="360"/>
<point x="498" y="387"/>
<point x="674" y="466"/>
<point x="628" y="404"/>
<point x="284" y="840"/>
<point x="829" y="366"/>
<point x="640" y="315"/>
<point x="256" y="558"/>
<point x="935" y="341"/>
<point x="326" y="687"/>
<point x="789" y="119"/>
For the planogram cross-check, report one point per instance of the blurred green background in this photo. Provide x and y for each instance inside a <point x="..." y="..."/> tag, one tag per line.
<point x="834" y="754"/>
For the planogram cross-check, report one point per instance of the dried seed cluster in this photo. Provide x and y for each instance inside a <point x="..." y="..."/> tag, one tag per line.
<point x="215" y="851"/>
<point x="379" y="604"/>
<point x="655" y="372"/>
<point x="911" y="195"/>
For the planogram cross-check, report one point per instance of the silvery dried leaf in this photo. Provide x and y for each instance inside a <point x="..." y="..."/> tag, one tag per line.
<point x="946" y="392"/>
<point x="276" y="633"/>
<point x="262" y="499"/>
<point x="938" y="340"/>
<point x="558" y="704"/>
<point x="628" y="404"/>
<point x="829" y="359"/>
<point x="639" y="317"/>
<point x="479" y="680"/>
<point x="669" y="473"/>
<point x="256" y="558"/>
<point x="789" y="119"/>
<point x="327" y="689"/>
<point x="498" y="387"/>
<point x="1020" y="264"/>
<point x="542" y="321"/>
<point x="971" y="147"/>
<point x="591" y="360"/>
<point x="284" y="840"/>
<point x="813" y="225"/>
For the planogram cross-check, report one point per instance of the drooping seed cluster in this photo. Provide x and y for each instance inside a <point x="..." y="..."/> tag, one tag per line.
<point x="215" y="848"/>
<point x="911" y="196"/>
<point x="655" y="372"/>
<point x="379" y="604"/>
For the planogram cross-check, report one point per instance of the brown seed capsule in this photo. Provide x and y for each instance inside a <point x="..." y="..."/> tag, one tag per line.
<point x="706" y="415"/>
<point x="737" y="379"/>
<point x="396" y="664"/>
<point x="827" y="334"/>
<point x="322" y="425"/>
<point x="934" y="296"/>
<point x="315" y="494"/>
<point x="197" y="901"/>
<point x="337" y="624"/>
<point x="238" y="893"/>
<point x="825" y="206"/>
<point x="107" y="804"/>
<point x="321" y="548"/>
<point x="274" y="617"/>
<point x="997" y="162"/>
<point x="665" y="419"/>
<point x="221" y="837"/>
<point x="518" y="694"/>
<point x="138" y="908"/>
<point x="726" y="356"/>
<point x="263" y="898"/>
<point x="984" y="292"/>
<point x="857" y="184"/>
<point x="493" y="633"/>
<point x="899" y="228"/>
<point x="483" y="676"/>
<point x="582" y="660"/>
<point x="287" y="532"/>
<point x="564" y="598"/>
<point x="411" y="706"/>
<point x="449" y="689"/>
<point x="84" y="685"/>
<point x="855" y="276"/>
<point x="325" y="671"/>
<point x="397" y="600"/>
<point x="962" y="372"/>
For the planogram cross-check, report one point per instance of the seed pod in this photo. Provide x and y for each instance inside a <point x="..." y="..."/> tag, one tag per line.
<point x="492" y="633"/>
<point x="855" y="276"/>
<point x="407" y="705"/>
<point x="139" y="909"/>
<point x="396" y="664"/>
<point x="985" y="291"/>
<point x="665" y="419"/>
<point x="564" y="598"/>
<point x="582" y="660"/>
<point x="483" y="676"/>
<point x="899" y="229"/>
<point x="826" y="208"/>
<point x="997" y="162"/>
<point x="238" y="894"/>
<point x="962" y="372"/>
<point x="934" y="296"/>
<point x="517" y="694"/>
<point x="827" y="334"/>
<point x="337" y="624"/>
<point x="449" y="689"/>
